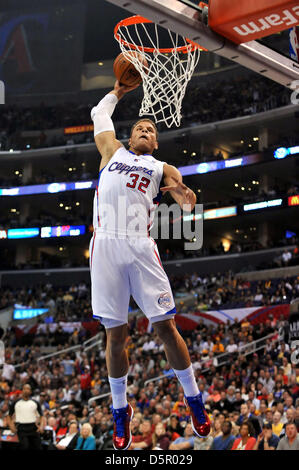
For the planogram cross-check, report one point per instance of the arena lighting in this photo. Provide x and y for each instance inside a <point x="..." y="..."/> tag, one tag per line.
<point x="63" y="231"/>
<point x="290" y="234"/>
<point x="51" y="188"/>
<point x="26" y="313"/>
<point x="207" y="167"/>
<point x="203" y="168"/>
<point x="220" y="213"/>
<point x="262" y="205"/>
<point x="85" y="185"/>
<point x="9" y="192"/>
<point x="232" y="163"/>
<point x="16" y="233"/>
<point x="189" y="217"/>
<point x="210" y="214"/>
<point x="293" y="200"/>
<point x="283" y="152"/>
<point x="56" y="187"/>
<point x="196" y="169"/>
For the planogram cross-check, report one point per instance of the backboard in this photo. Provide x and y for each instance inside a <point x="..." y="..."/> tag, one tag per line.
<point x="190" y="20"/>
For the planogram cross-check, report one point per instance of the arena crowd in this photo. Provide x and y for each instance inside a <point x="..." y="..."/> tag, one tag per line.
<point x="252" y="399"/>
<point x="224" y="99"/>
<point x="226" y="290"/>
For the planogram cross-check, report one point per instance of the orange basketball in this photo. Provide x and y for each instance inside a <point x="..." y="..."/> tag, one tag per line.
<point x="125" y="71"/>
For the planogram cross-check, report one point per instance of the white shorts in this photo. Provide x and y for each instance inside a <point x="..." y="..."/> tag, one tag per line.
<point x="121" y="267"/>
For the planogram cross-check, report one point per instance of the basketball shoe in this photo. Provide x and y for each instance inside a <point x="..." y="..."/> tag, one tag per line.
<point x="200" y="421"/>
<point x="122" y="436"/>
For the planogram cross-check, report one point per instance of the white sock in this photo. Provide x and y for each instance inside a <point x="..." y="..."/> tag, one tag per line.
<point x="119" y="391"/>
<point x="188" y="382"/>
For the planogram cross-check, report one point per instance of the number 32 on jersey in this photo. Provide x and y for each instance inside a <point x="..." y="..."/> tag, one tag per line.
<point x="143" y="184"/>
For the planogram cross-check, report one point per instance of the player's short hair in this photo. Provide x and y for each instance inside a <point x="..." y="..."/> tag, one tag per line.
<point x="147" y="120"/>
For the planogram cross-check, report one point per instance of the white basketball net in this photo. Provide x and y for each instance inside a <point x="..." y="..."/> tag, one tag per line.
<point x="167" y="76"/>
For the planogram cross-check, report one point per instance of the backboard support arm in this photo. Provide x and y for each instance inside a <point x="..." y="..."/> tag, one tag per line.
<point x="188" y="21"/>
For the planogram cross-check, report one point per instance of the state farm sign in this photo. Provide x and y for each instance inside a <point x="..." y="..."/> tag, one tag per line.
<point x="243" y="21"/>
<point x="288" y="19"/>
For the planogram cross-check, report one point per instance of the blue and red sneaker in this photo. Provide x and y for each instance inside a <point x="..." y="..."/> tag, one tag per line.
<point x="200" y="421"/>
<point x="122" y="436"/>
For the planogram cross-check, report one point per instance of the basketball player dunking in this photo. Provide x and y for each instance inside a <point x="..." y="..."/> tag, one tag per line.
<point x="124" y="261"/>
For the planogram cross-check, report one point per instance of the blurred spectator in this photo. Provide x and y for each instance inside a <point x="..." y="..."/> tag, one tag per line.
<point x="185" y="442"/>
<point x="85" y="383"/>
<point x="291" y="439"/>
<point x="216" y="430"/>
<point x="48" y="436"/>
<point x="160" y="438"/>
<point x="61" y="429"/>
<point x="266" y="440"/>
<point x="86" y="440"/>
<point x="286" y="257"/>
<point x="174" y="428"/>
<point x="249" y="417"/>
<point x="277" y="424"/>
<point x="226" y="440"/>
<point x="69" y="442"/>
<point x="203" y="443"/>
<point x="143" y="440"/>
<point x="218" y="346"/>
<point x="231" y="347"/>
<point x="8" y="371"/>
<point x="68" y="365"/>
<point x="245" y="442"/>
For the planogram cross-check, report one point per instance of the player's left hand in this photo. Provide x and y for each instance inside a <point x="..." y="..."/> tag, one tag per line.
<point x="188" y="196"/>
<point x="121" y="90"/>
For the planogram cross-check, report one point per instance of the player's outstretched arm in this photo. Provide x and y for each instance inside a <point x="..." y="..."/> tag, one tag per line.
<point x="104" y="132"/>
<point x="179" y="191"/>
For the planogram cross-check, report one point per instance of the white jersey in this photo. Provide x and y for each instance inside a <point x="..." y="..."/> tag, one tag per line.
<point x="124" y="259"/>
<point x="127" y="194"/>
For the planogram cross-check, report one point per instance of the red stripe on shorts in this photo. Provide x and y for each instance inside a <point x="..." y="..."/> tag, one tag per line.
<point x="93" y="239"/>
<point x="99" y="223"/>
<point x="158" y="259"/>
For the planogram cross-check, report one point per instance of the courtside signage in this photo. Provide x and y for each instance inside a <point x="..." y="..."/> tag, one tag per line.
<point x="78" y="129"/>
<point x="220" y="213"/>
<point x="189" y="170"/>
<point x="210" y="214"/>
<point x="26" y="313"/>
<point x="293" y="200"/>
<point x="16" y="233"/>
<point x="245" y="21"/>
<point x="208" y="167"/>
<point x="51" y="188"/>
<point x="283" y="152"/>
<point x="44" y="232"/>
<point x="63" y="231"/>
<point x="262" y="205"/>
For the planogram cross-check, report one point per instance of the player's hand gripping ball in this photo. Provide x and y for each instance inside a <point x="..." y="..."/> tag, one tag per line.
<point x="125" y="71"/>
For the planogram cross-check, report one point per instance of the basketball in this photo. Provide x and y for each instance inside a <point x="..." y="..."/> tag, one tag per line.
<point x="125" y="71"/>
